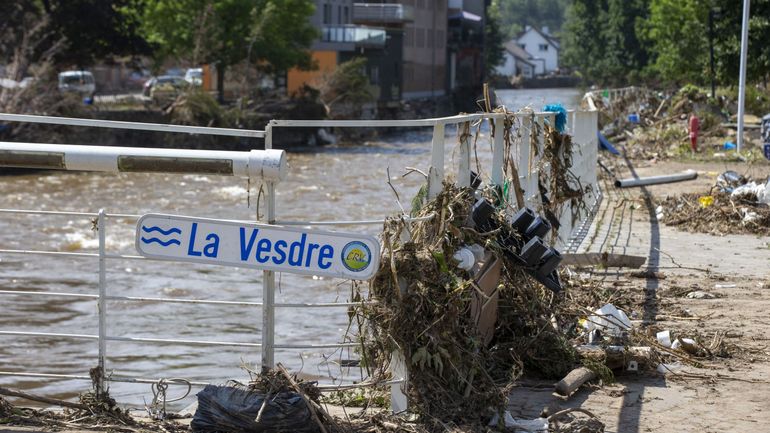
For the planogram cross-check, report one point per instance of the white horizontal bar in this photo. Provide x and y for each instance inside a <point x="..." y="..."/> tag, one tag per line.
<point x="48" y="253"/>
<point x="329" y="388"/>
<point x="384" y="123"/>
<point x="328" y="223"/>
<point x="122" y="215"/>
<point x="49" y="334"/>
<point x="348" y="222"/>
<point x="44" y="375"/>
<point x="47" y="294"/>
<point x="315" y="346"/>
<point x="124" y="256"/>
<point x="116" y="124"/>
<point x="48" y="212"/>
<point x="256" y="164"/>
<point x="111" y="378"/>
<point x="319" y="305"/>
<point x="180" y="301"/>
<point x="183" y="342"/>
<point x="127" y="379"/>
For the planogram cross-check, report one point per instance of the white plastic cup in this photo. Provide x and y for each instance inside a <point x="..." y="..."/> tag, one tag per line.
<point x="465" y="258"/>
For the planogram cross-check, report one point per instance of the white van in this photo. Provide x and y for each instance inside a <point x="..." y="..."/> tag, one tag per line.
<point x="77" y="81"/>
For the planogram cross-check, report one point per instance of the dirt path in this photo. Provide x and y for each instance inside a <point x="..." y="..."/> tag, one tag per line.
<point x="727" y="394"/>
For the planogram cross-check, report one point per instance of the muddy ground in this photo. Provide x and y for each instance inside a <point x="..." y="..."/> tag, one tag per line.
<point x="727" y="394"/>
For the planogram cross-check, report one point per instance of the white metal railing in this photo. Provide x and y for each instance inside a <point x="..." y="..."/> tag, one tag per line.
<point x="528" y="126"/>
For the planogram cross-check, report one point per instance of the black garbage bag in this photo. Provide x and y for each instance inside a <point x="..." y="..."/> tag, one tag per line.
<point x="229" y="409"/>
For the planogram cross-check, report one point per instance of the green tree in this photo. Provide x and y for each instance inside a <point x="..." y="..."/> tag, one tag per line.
<point x="272" y="35"/>
<point x="600" y="40"/>
<point x="515" y="15"/>
<point x="677" y="36"/>
<point x="728" y="41"/>
<point x="94" y="30"/>
<point x="493" y="41"/>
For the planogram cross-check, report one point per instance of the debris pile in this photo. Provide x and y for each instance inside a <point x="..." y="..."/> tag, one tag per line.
<point x="735" y="205"/>
<point x="655" y="125"/>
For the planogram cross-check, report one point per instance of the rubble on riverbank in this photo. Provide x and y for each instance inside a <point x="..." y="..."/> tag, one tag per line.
<point x="656" y="125"/>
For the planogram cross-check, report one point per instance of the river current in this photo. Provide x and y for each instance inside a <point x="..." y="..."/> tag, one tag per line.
<point x="341" y="182"/>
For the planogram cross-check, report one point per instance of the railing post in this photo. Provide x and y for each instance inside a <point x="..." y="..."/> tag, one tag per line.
<point x="268" y="277"/>
<point x="464" y="165"/>
<point x="398" y="391"/>
<point x="498" y="145"/>
<point x="436" y="173"/>
<point x="268" y="295"/>
<point x="525" y="149"/>
<point x="102" y="304"/>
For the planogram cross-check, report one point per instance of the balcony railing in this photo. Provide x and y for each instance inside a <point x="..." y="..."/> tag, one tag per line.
<point x="359" y="35"/>
<point x="382" y="13"/>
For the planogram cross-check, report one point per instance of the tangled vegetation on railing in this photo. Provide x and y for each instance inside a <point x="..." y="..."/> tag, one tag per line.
<point x="425" y="310"/>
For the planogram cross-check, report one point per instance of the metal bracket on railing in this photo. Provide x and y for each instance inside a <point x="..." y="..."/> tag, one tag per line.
<point x="157" y="409"/>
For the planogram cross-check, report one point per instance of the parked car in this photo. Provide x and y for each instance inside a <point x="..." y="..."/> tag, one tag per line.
<point x="194" y="76"/>
<point x="164" y="86"/>
<point x="77" y="81"/>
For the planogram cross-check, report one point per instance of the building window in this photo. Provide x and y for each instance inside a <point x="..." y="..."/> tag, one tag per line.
<point x="327" y="13"/>
<point x="543" y="47"/>
<point x="339" y="14"/>
<point x="430" y="38"/>
<point x="420" y="38"/>
<point x="408" y="37"/>
<point x="347" y="15"/>
<point x="440" y="39"/>
<point x="523" y="46"/>
<point x="375" y="75"/>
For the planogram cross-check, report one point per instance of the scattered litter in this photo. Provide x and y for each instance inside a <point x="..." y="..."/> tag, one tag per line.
<point x="226" y="408"/>
<point x="735" y="209"/>
<point x="687" y="344"/>
<point x="725" y="286"/>
<point x="729" y="180"/>
<point x="664" y="338"/>
<point x="706" y="200"/>
<point x="700" y="295"/>
<point x="669" y="368"/>
<point x="753" y="191"/>
<point x="537" y="425"/>
<point x="608" y="319"/>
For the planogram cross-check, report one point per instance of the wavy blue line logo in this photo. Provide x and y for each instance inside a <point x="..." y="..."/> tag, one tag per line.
<point x="156" y="239"/>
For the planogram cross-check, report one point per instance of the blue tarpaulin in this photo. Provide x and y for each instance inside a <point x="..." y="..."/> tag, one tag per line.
<point x="606" y="145"/>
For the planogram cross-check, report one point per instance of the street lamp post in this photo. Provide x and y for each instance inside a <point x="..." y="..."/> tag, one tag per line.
<point x="713" y="14"/>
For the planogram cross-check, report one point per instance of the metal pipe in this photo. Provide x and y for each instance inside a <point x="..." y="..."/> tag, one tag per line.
<point x="655" y="180"/>
<point x="102" y="303"/>
<point x="268" y="295"/>
<point x="116" y="124"/>
<point x="183" y="342"/>
<point x="256" y="165"/>
<point x="742" y="78"/>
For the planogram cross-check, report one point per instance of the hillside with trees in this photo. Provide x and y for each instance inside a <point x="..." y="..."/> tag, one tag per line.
<point x="616" y="42"/>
